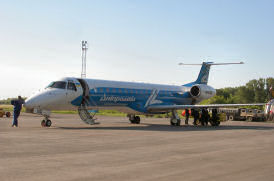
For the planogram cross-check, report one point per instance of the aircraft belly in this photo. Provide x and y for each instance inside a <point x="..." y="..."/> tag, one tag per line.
<point x="123" y="109"/>
<point x="58" y="107"/>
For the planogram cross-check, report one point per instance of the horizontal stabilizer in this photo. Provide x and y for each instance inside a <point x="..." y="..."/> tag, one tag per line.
<point x="204" y="72"/>
<point x="211" y="63"/>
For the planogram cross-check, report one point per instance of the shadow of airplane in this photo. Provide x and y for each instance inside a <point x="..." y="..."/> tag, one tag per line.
<point x="168" y="128"/>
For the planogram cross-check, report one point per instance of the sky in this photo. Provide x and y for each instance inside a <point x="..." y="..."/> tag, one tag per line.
<point x="133" y="40"/>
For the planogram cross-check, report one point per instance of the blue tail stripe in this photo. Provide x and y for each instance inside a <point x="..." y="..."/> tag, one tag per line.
<point x="203" y="75"/>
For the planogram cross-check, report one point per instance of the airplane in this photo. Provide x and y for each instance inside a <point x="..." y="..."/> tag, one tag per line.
<point x="86" y="95"/>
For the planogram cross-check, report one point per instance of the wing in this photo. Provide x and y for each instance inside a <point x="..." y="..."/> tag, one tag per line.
<point x="155" y="108"/>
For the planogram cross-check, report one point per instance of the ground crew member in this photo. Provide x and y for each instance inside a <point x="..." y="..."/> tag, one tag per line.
<point x="207" y="117"/>
<point x="17" y="106"/>
<point x="215" y="118"/>
<point x="204" y="117"/>
<point x="196" y="116"/>
<point x="187" y="116"/>
<point x="192" y="114"/>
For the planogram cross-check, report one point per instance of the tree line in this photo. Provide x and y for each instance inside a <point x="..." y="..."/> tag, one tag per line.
<point x="6" y="101"/>
<point x="255" y="91"/>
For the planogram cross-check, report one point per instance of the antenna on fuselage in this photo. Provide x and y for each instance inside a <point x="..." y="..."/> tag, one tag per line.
<point x="84" y="58"/>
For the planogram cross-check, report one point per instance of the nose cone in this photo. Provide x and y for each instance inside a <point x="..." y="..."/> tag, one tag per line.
<point x="31" y="103"/>
<point x="35" y="100"/>
<point x="28" y="103"/>
<point x="46" y="100"/>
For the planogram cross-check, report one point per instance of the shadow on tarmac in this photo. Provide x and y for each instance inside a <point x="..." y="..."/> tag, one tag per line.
<point x="159" y="127"/>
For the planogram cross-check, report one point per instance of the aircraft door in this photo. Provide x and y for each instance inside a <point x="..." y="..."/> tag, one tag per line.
<point x="85" y="92"/>
<point x="72" y="91"/>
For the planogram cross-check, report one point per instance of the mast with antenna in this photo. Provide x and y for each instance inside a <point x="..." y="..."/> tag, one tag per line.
<point x="84" y="57"/>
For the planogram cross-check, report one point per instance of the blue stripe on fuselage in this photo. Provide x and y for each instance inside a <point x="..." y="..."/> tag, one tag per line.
<point x="134" y="98"/>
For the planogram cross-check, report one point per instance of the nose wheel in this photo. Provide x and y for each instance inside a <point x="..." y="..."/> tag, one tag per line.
<point x="46" y="123"/>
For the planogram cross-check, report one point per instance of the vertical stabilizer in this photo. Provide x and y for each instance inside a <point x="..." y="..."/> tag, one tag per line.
<point x="204" y="72"/>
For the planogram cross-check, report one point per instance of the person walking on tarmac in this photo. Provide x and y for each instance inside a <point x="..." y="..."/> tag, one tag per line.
<point x="17" y="106"/>
<point x="187" y="116"/>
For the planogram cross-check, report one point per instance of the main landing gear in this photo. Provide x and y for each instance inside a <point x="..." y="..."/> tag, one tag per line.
<point x="134" y="119"/>
<point x="175" y="119"/>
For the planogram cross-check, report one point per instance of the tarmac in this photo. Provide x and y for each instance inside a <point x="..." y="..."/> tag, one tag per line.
<point x="118" y="150"/>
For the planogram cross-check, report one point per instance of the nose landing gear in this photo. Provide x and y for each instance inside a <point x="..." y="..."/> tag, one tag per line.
<point x="46" y="123"/>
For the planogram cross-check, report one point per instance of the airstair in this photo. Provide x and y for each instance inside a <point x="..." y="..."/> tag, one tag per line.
<point x="86" y="115"/>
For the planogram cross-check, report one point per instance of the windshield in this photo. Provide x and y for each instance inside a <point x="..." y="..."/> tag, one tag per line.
<point x="58" y="85"/>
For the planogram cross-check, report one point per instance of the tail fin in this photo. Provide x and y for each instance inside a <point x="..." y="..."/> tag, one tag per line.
<point x="204" y="72"/>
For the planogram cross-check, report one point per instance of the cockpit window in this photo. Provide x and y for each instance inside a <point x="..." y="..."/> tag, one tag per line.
<point x="71" y="86"/>
<point x="58" y="85"/>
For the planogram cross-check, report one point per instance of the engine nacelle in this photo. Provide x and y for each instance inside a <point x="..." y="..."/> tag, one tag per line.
<point x="201" y="92"/>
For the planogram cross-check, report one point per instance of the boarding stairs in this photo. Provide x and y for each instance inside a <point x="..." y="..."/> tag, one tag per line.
<point x="86" y="115"/>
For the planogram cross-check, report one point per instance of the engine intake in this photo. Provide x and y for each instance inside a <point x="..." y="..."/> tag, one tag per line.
<point x="200" y="92"/>
<point x="195" y="91"/>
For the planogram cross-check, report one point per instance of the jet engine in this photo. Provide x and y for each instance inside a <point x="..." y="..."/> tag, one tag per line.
<point x="201" y="92"/>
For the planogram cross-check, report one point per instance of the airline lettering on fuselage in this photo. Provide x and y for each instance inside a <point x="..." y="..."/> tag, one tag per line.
<point x="117" y="99"/>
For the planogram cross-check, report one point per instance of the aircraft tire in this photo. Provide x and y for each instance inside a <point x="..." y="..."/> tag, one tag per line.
<point x="43" y="123"/>
<point x="48" y="123"/>
<point x="137" y="119"/>
<point x="8" y="114"/>
<point x="249" y="119"/>
<point x="175" y="122"/>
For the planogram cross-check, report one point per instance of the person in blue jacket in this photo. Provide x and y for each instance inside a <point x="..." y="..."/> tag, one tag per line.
<point x="17" y="106"/>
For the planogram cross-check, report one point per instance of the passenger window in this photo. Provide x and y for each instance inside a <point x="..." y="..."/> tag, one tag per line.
<point x="71" y="86"/>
